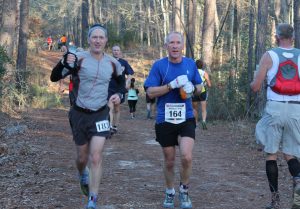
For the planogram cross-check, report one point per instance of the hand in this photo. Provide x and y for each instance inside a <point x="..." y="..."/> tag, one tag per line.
<point x="189" y="87"/>
<point x="179" y="81"/>
<point x="115" y="99"/>
<point x="70" y="61"/>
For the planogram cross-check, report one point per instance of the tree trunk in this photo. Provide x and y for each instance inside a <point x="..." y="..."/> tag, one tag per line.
<point x="190" y="36"/>
<point x="297" y="23"/>
<point x="158" y="28"/>
<point x="142" y="23"/>
<point x="261" y="37"/>
<point x="84" y="22"/>
<point x="148" y="25"/>
<point x="284" y="12"/>
<point x="164" y="8"/>
<point x="1" y="12"/>
<point x="93" y="16"/>
<point x="208" y="32"/>
<point x="250" y="51"/>
<point x="176" y="16"/>
<point x="22" y="46"/>
<point x="8" y="29"/>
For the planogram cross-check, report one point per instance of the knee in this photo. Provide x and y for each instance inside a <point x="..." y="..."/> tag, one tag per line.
<point x="95" y="158"/>
<point x="169" y="164"/>
<point x="186" y="160"/>
<point x="82" y="159"/>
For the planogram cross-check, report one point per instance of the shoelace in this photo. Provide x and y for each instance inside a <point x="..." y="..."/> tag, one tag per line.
<point x="170" y="198"/>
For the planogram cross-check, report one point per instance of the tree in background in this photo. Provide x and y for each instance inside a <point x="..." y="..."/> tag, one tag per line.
<point x="208" y="32"/>
<point x="261" y="38"/>
<point x="22" y="46"/>
<point x="297" y="23"/>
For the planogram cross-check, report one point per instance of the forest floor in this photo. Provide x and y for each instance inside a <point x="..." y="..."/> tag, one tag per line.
<point x="38" y="168"/>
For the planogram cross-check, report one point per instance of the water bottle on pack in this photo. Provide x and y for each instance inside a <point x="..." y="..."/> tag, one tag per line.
<point x="72" y="49"/>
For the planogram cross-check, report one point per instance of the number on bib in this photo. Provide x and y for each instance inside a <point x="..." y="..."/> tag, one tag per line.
<point x="102" y="126"/>
<point x="175" y="112"/>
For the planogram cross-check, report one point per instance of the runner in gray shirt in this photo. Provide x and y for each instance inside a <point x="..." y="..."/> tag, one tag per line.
<point x="91" y="72"/>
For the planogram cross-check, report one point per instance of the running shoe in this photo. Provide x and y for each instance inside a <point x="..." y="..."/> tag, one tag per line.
<point x="84" y="182"/>
<point x="91" y="204"/>
<point x="296" y="194"/>
<point x="114" y="129"/>
<point x="275" y="201"/>
<point x="204" y="127"/>
<point x="169" y="201"/>
<point x="185" y="201"/>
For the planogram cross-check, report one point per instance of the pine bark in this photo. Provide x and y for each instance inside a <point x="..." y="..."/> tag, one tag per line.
<point x="208" y="32"/>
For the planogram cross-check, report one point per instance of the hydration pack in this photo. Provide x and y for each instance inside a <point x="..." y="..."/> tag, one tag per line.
<point x="74" y="81"/>
<point x="286" y="81"/>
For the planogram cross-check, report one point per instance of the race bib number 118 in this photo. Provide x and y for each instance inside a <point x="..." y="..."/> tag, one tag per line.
<point x="102" y="126"/>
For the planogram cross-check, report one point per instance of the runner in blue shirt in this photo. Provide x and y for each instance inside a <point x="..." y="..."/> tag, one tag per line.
<point x="169" y="80"/>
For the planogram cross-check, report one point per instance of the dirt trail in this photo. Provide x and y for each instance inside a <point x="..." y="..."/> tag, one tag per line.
<point x="39" y="169"/>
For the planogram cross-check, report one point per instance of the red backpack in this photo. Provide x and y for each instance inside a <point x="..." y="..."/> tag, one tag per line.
<point x="286" y="81"/>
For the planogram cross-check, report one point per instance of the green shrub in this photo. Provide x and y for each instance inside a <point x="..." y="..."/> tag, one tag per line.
<point x="3" y="60"/>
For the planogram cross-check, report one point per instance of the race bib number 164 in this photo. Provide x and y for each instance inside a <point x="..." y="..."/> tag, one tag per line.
<point x="175" y="112"/>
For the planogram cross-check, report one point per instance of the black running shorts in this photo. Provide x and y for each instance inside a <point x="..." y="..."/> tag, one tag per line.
<point x="167" y="133"/>
<point x="85" y="125"/>
<point x="148" y="100"/>
<point x="200" y="98"/>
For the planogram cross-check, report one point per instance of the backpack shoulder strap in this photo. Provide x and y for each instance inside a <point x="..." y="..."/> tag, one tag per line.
<point x="114" y="69"/>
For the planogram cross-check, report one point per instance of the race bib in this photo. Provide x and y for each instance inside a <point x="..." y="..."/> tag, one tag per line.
<point x="102" y="126"/>
<point x="175" y="112"/>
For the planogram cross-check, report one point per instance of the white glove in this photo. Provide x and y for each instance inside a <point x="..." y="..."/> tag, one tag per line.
<point x="179" y="81"/>
<point x="189" y="88"/>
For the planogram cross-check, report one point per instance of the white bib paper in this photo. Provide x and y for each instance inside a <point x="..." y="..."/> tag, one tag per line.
<point x="175" y="112"/>
<point x="102" y="126"/>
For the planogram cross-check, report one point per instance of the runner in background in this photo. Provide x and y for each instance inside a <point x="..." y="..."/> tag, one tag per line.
<point x="115" y="109"/>
<point x="62" y="42"/>
<point x="132" y="97"/>
<point x="49" y="43"/>
<point x="150" y="105"/>
<point x="202" y="98"/>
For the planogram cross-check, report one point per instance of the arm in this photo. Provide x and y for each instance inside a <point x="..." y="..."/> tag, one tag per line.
<point x="198" y="89"/>
<point x="129" y="73"/>
<point x="62" y="69"/>
<point x="264" y="65"/>
<point x="207" y="79"/>
<point x="158" y="91"/>
<point x="127" y="83"/>
<point x="56" y="73"/>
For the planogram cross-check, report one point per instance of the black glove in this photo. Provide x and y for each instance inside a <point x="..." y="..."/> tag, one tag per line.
<point x="67" y="65"/>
